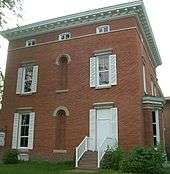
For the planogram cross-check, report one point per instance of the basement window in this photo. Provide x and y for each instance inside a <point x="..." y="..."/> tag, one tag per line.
<point x="30" y="42"/>
<point x="64" y="36"/>
<point x="102" y="29"/>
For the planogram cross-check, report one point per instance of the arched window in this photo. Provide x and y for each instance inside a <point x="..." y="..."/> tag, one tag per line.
<point x="63" y="61"/>
<point x="61" y="114"/>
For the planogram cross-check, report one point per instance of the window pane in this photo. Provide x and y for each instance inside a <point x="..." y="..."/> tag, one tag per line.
<point x="153" y="117"/>
<point x="103" y="78"/>
<point x="24" y="142"/>
<point x="28" y="78"/>
<point x="25" y="119"/>
<point x="154" y="141"/>
<point x="24" y="130"/>
<point x="154" y="129"/>
<point x="103" y="63"/>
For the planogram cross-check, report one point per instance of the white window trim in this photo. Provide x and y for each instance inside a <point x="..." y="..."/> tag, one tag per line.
<point x="63" y="34"/>
<point x="157" y="126"/>
<point x="30" y="41"/>
<point x="102" y="26"/>
<point x="23" y="81"/>
<point x="97" y="73"/>
<point x="152" y="88"/>
<point x="19" y="131"/>
<point x="144" y="79"/>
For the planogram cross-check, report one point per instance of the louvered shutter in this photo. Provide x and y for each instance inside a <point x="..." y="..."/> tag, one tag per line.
<point x="15" y="131"/>
<point x="19" y="81"/>
<point x="114" y="120"/>
<point x="31" y="130"/>
<point x="34" y="80"/>
<point x="92" y="71"/>
<point x="113" y="70"/>
<point x="92" y="131"/>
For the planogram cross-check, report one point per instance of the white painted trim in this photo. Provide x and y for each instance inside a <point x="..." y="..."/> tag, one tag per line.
<point x="102" y="27"/>
<point x="144" y="78"/>
<point x="157" y="126"/>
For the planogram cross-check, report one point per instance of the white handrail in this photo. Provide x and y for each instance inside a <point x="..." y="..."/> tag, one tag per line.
<point x="107" y="143"/>
<point x="81" y="149"/>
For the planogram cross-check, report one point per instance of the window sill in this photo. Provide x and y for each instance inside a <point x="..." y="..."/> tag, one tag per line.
<point x="61" y="91"/>
<point x="26" y="94"/>
<point x="103" y="87"/>
<point x="59" y="151"/>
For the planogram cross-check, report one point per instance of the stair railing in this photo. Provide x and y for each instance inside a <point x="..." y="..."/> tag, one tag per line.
<point x="107" y="143"/>
<point x="81" y="149"/>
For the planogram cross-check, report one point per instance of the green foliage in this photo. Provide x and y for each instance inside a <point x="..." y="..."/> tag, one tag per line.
<point x="148" y="160"/>
<point x="112" y="159"/>
<point x="10" y="157"/>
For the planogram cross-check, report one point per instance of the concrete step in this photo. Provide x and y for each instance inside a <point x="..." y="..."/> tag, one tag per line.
<point x="88" y="161"/>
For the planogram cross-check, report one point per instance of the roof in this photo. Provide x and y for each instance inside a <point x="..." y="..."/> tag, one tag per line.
<point x="135" y="8"/>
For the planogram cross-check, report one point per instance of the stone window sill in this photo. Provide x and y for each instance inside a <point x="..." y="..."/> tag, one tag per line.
<point x="62" y="91"/>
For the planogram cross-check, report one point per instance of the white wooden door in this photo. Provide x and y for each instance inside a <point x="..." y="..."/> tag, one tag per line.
<point x="104" y="125"/>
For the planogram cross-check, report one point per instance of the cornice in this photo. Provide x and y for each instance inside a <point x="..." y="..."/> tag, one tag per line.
<point x="135" y="8"/>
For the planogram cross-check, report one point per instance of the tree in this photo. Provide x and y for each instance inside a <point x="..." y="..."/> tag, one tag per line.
<point x="8" y="9"/>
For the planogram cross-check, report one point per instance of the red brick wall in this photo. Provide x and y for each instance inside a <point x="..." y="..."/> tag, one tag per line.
<point x="127" y="94"/>
<point x="167" y="127"/>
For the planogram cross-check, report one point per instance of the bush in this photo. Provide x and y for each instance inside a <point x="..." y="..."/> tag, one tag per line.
<point x="112" y="159"/>
<point x="10" y="157"/>
<point x="148" y="160"/>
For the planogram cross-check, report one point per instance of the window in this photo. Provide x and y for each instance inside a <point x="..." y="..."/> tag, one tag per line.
<point x="27" y="79"/>
<point x="30" y="43"/>
<point x="103" y="29"/>
<point x="153" y="89"/>
<point x="64" y="36"/>
<point x="155" y="127"/>
<point x="23" y="130"/>
<point x="103" y="71"/>
<point x="144" y="80"/>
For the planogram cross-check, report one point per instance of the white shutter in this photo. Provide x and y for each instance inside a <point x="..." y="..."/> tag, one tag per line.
<point x="157" y="127"/>
<point x="34" y="80"/>
<point x="113" y="70"/>
<point x="114" y="123"/>
<point x="31" y="130"/>
<point x="92" y="71"/>
<point x="15" y="131"/>
<point x="92" y="129"/>
<point x="19" y="81"/>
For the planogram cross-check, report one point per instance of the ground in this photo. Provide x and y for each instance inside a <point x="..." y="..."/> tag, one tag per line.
<point x="42" y="167"/>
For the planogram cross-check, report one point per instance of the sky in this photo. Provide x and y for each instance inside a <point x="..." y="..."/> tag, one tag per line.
<point x="157" y="10"/>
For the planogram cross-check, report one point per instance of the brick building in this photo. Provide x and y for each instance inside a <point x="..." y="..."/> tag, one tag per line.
<point x="167" y="126"/>
<point x="86" y="78"/>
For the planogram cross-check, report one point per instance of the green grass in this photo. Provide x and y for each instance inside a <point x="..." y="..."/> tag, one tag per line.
<point x="44" y="167"/>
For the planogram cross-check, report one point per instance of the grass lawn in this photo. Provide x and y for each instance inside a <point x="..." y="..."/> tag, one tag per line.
<point x="42" y="167"/>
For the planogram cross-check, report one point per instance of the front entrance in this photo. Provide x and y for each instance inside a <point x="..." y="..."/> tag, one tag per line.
<point x="103" y="124"/>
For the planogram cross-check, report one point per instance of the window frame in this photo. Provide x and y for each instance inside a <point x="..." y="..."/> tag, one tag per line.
<point x="102" y="27"/>
<point x="97" y="72"/>
<point x="23" y="80"/>
<point x="156" y="124"/>
<point x="144" y="78"/>
<point x="19" y="130"/>
<point x="64" y="34"/>
<point x="30" y="41"/>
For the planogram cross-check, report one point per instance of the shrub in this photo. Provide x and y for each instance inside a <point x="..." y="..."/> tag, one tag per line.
<point x="112" y="159"/>
<point x="148" y="160"/>
<point x="10" y="157"/>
